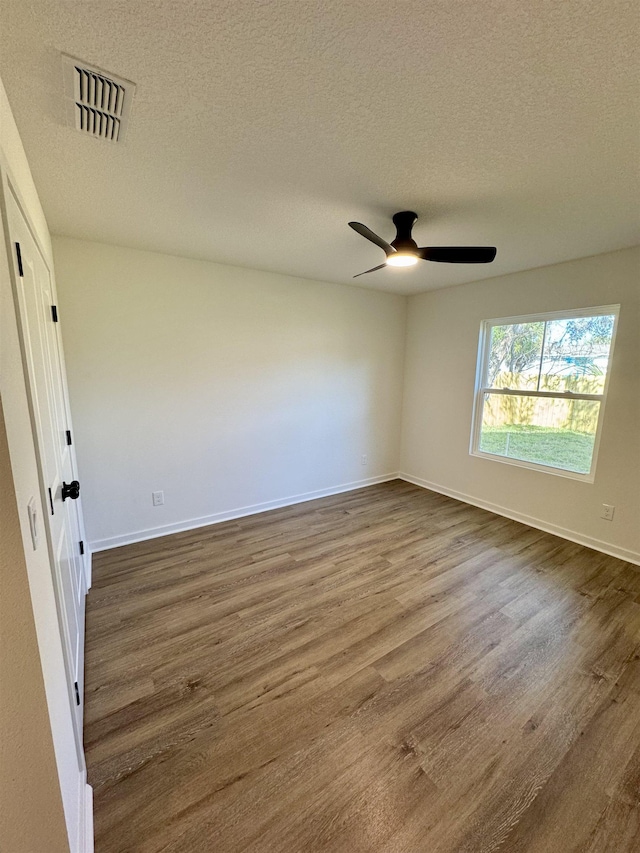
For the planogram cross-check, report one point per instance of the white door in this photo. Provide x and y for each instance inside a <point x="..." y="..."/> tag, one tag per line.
<point x="42" y="353"/>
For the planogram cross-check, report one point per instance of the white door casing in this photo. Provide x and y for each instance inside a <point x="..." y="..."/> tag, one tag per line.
<point x="44" y="368"/>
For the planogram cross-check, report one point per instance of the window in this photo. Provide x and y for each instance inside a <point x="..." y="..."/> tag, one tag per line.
<point x="541" y="387"/>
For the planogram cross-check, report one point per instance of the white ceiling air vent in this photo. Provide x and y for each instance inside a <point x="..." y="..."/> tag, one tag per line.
<point x="98" y="103"/>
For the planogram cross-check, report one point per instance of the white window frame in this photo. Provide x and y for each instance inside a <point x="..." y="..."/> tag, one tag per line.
<point x="480" y="387"/>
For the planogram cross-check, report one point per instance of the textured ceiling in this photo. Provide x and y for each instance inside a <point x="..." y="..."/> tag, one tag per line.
<point x="259" y="128"/>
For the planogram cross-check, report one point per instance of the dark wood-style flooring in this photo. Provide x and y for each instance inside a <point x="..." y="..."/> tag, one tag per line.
<point x="383" y="671"/>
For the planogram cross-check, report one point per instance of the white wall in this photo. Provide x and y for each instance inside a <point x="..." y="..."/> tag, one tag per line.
<point x="67" y="788"/>
<point x="442" y="341"/>
<point x="229" y="389"/>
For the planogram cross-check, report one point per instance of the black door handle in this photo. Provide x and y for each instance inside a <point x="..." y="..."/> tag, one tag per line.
<point x="71" y="490"/>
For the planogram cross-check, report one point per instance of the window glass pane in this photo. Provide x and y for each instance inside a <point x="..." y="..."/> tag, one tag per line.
<point x="576" y="354"/>
<point x="558" y="433"/>
<point x="514" y="356"/>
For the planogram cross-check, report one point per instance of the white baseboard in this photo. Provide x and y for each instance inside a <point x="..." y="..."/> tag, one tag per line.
<point x="539" y="524"/>
<point x="83" y="831"/>
<point x="88" y="825"/>
<point x="241" y="512"/>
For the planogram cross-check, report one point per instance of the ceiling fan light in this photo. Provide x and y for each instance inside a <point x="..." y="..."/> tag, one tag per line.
<point x="402" y="259"/>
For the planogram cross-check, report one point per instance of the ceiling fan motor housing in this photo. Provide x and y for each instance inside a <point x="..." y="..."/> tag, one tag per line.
<point x="404" y="222"/>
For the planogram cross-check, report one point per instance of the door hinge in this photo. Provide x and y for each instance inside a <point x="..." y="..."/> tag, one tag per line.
<point x="81" y="544"/>
<point x="19" y="256"/>
<point x="54" y="313"/>
<point x="51" y="501"/>
<point x="77" y="689"/>
<point x="68" y="434"/>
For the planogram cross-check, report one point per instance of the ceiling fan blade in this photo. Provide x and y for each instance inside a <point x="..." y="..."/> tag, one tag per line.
<point x="458" y="254"/>
<point x="371" y="270"/>
<point x="368" y="233"/>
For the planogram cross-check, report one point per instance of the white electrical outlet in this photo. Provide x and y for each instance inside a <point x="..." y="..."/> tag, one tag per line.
<point x="607" y="512"/>
<point x="157" y="498"/>
<point x="363" y="459"/>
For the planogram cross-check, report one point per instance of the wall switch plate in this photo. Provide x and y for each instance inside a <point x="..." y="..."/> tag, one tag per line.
<point x="157" y="498"/>
<point x="607" y="512"/>
<point x="363" y="459"/>
<point x="32" y="511"/>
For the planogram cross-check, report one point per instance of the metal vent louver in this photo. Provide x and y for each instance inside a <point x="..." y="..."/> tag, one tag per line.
<point x="98" y="102"/>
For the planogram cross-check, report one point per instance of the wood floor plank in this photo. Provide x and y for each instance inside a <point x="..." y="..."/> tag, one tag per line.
<point x="386" y="671"/>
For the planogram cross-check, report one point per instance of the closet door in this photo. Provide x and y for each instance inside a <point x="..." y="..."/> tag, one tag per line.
<point x="44" y="369"/>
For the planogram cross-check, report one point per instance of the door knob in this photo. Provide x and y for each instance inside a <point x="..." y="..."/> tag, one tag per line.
<point x="71" y="490"/>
